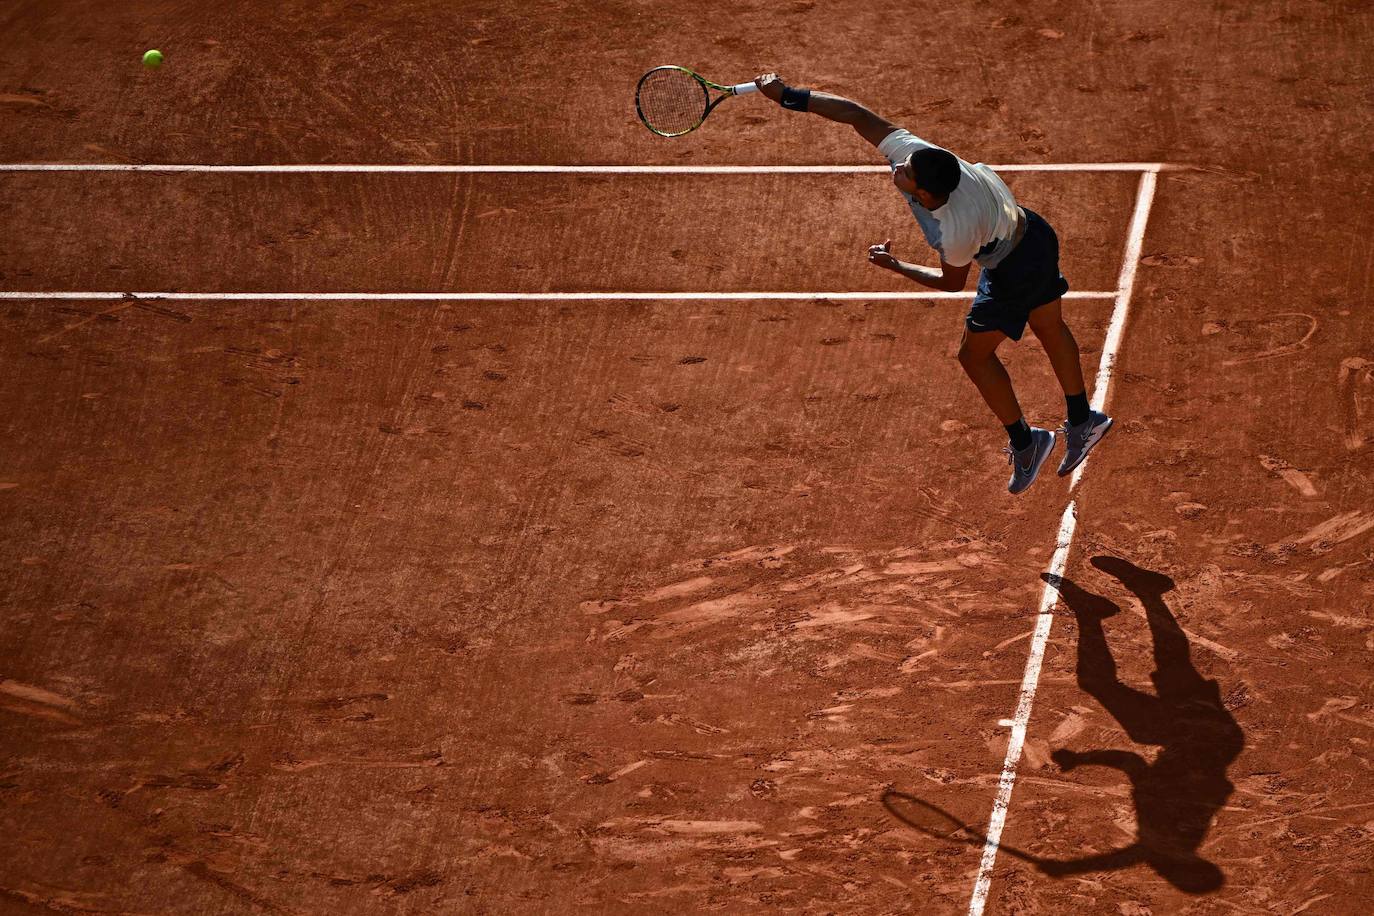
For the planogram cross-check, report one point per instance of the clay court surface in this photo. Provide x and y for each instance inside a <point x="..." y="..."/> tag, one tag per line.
<point x="669" y="604"/>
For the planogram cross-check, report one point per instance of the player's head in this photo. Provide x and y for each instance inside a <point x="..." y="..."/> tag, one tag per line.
<point x="930" y="175"/>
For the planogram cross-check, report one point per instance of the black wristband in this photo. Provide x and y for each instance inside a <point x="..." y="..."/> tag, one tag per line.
<point x="796" y="99"/>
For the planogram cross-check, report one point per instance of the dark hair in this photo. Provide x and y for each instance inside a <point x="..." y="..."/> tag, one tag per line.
<point x="935" y="170"/>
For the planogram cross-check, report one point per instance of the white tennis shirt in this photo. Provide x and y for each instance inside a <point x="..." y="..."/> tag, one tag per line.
<point x="980" y="213"/>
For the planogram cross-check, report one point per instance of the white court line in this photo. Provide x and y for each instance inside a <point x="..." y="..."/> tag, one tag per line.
<point x="1029" y="681"/>
<point x="511" y="297"/>
<point x="1135" y="238"/>
<point x="557" y="169"/>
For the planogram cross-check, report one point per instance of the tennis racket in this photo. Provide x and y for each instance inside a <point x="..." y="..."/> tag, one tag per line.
<point x="673" y="101"/>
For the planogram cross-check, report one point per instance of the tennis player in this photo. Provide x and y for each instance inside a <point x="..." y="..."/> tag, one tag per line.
<point x="967" y="214"/>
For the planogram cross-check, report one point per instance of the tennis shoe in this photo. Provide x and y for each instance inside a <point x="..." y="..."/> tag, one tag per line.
<point x="1080" y="439"/>
<point x="1026" y="462"/>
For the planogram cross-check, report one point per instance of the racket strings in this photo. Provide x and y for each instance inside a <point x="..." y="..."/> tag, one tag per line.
<point x="671" y="101"/>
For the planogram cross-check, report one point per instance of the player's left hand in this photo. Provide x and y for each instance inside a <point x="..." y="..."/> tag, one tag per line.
<point x="881" y="256"/>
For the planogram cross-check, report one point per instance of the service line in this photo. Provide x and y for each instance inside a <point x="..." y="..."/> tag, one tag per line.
<point x="555" y="169"/>
<point x="1068" y="522"/>
<point x="508" y="297"/>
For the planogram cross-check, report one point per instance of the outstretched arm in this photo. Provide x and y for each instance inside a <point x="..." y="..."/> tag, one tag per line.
<point x="872" y="127"/>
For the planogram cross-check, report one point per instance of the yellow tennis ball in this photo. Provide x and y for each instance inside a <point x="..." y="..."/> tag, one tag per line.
<point x="152" y="59"/>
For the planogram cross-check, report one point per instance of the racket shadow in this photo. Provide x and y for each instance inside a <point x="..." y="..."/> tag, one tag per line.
<point x="934" y="821"/>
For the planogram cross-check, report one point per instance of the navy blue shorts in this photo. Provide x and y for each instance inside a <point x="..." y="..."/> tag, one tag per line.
<point x="1026" y="279"/>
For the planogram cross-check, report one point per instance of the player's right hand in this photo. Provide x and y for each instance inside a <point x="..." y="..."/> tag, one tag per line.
<point x="771" y="85"/>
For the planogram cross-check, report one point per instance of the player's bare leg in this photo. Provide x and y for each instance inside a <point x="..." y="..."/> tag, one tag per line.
<point x="978" y="356"/>
<point x="1047" y="322"/>
<point x="1085" y="427"/>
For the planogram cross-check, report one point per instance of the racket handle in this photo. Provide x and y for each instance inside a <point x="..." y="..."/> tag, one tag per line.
<point x="745" y="88"/>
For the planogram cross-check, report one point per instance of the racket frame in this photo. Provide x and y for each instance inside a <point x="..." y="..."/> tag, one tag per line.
<point x="706" y="86"/>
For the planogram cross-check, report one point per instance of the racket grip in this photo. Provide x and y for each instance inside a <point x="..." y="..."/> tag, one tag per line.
<point x="745" y="88"/>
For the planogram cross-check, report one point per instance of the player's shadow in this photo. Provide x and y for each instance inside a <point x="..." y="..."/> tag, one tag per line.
<point x="1177" y="795"/>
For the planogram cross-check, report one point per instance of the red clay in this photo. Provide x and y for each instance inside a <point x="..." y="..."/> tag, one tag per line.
<point x="633" y="607"/>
